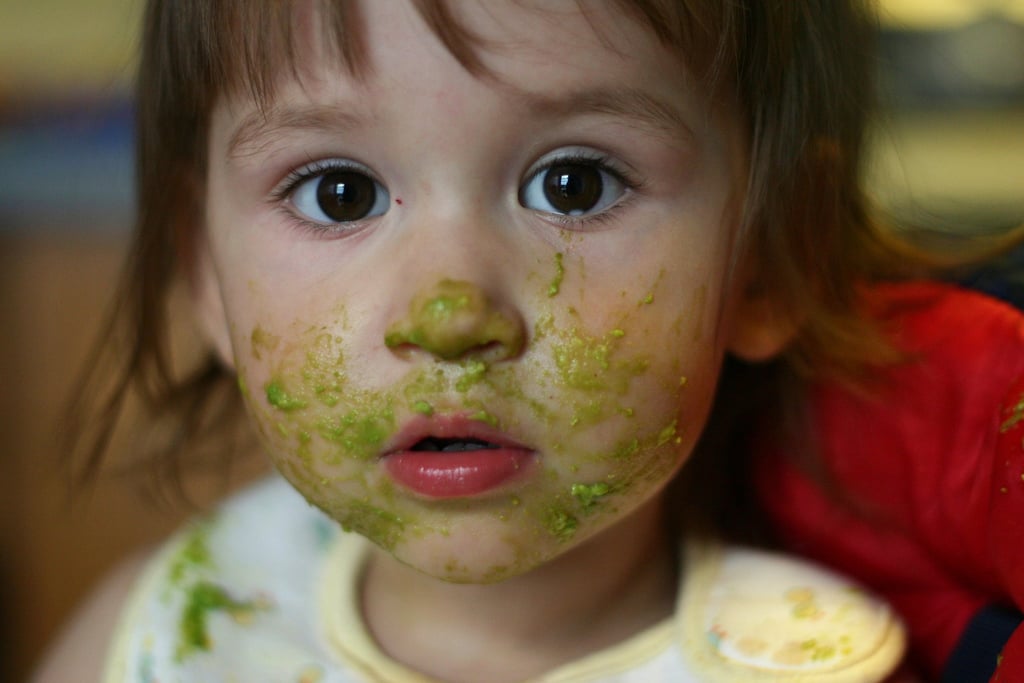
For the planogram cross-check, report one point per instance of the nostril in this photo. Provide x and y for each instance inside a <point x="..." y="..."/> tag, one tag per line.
<point x="494" y="351"/>
<point x="453" y="320"/>
<point x="451" y="347"/>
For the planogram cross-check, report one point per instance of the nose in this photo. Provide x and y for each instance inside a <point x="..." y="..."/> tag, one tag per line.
<point x="455" y="319"/>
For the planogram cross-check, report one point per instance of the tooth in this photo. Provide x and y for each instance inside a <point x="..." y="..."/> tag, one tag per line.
<point x="451" y="445"/>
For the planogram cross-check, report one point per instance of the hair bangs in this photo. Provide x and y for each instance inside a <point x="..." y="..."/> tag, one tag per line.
<point x="215" y="47"/>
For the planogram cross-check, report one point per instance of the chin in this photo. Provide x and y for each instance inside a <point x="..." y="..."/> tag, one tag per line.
<point x="469" y="554"/>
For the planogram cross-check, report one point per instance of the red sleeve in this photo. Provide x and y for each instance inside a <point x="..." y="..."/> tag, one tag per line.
<point x="923" y="496"/>
<point x="1011" y="665"/>
<point x="1007" y="525"/>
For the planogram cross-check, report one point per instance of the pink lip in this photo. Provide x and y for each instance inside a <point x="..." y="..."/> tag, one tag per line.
<point x="464" y="474"/>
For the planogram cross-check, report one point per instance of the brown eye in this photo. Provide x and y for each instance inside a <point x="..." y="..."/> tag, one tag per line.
<point x="346" y="195"/>
<point x="572" y="188"/>
<point x="339" y="195"/>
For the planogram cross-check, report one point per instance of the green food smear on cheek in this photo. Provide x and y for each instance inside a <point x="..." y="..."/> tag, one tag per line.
<point x="281" y="399"/>
<point x="261" y="340"/>
<point x="323" y="378"/>
<point x="359" y="434"/>
<point x="593" y="370"/>
<point x="556" y="284"/>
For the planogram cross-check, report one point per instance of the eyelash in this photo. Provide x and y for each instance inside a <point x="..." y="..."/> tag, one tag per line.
<point x="280" y="196"/>
<point x="602" y="162"/>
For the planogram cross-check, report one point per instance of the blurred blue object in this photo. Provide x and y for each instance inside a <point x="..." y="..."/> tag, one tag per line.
<point x="1002" y="279"/>
<point x="66" y="166"/>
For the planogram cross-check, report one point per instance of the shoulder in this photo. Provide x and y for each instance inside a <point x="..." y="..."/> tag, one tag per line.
<point x="940" y="320"/>
<point x="943" y="404"/>
<point x="921" y="446"/>
<point x="241" y="578"/>
<point x="962" y="353"/>
<point x="100" y="625"/>
<point x="78" y="653"/>
<point x="754" y="615"/>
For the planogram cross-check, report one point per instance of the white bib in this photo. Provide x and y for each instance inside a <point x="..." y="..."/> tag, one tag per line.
<point x="244" y="597"/>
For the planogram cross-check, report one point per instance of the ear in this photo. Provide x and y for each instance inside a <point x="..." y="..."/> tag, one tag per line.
<point x="761" y="327"/>
<point x="207" y="302"/>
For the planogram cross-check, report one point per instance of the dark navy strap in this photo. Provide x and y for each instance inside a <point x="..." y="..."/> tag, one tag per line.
<point x="976" y="654"/>
<point x="1002" y="279"/>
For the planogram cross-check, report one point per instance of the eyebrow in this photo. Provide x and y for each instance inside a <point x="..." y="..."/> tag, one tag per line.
<point x="263" y="125"/>
<point x="633" y="104"/>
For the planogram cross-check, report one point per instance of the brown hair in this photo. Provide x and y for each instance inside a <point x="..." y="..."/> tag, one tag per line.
<point x="800" y="71"/>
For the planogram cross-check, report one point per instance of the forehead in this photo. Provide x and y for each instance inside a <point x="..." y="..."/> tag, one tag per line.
<point x="307" y="40"/>
<point x="550" y="58"/>
<point x="487" y="37"/>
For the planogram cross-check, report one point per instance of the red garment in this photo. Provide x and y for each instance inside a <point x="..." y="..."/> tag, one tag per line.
<point x="930" y="466"/>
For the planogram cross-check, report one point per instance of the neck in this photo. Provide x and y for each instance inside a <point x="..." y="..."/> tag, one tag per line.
<point x="608" y="588"/>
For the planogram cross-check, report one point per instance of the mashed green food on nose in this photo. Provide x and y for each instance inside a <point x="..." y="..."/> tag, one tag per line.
<point x="451" y="318"/>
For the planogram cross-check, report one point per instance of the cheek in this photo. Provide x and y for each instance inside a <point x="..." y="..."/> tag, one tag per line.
<point x="612" y="394"/>
<point x="298" y="390"/>
<point x="635" y="366"/>
<point x="632" y="399"/>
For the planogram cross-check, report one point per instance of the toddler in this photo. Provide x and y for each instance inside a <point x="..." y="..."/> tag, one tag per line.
<point x="475" y="269"/>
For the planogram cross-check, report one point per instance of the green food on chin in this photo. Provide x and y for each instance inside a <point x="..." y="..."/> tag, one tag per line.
<point x="589" y="494"/>
<point x="667" y="434"/>
<point x="381" y="527"/>
<point x="560" y="524"/>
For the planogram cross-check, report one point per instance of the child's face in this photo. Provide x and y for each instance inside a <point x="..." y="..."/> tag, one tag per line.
<point x="477" y="319"/>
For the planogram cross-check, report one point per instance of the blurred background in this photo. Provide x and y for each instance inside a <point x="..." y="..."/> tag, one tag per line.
<point x="949" y="154"/>
<point x="66" y="67"/>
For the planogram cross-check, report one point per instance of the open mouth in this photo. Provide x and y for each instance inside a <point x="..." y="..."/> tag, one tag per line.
<point x="438" y="445"/>
<point x="455" y="457"/>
